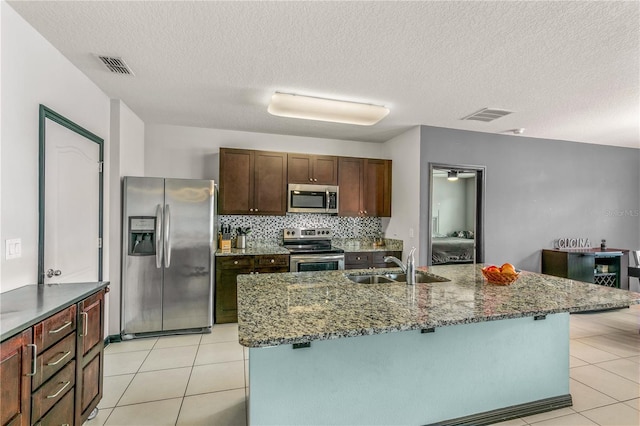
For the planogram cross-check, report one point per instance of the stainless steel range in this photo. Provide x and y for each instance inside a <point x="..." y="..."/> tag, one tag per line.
<point x="311" y="250"/>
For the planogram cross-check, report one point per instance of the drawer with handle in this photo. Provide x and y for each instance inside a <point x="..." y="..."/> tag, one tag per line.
<point x="60" y="414"/>
<point x="53" y="359"/>
<point x="52" y="391"/>
<point x="234" y="262"/>
<point x="275" y="260"/>
<point x="358" y="258"/>
<point x="54" y="328"/>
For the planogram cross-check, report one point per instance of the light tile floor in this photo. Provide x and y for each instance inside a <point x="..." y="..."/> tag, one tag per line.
<point x="201" y="379"/>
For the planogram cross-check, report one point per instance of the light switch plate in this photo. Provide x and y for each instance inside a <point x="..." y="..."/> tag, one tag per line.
<point x="13" y="248"/>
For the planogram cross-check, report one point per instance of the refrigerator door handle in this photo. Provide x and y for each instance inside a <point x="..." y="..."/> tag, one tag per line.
<point x="159" y="236"/>
<point x="167" y="236"/>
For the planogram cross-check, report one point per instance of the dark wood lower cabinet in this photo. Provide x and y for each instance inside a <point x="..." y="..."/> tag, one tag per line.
<point x="227" y="270"/>
<point x="591" y="265"/>
<point x="369" y="259"/>
<point x="52" y="391"/>
<point x="90" y="355"/>
<point x="52" y="372"/>
<point x="15" y="383"/>
<point x="61" y="414"/>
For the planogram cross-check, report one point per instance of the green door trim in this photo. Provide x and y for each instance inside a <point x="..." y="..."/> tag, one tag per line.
<point x="48" y="113"/>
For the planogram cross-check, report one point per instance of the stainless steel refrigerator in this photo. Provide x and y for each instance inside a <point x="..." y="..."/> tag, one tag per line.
<point x="167" y="256"/>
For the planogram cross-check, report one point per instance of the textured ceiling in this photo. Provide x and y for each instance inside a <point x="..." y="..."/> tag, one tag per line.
<point x="568" y="70"/>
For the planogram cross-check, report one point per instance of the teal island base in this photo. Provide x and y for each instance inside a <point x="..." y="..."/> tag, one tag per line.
<point x="477" y="373"/>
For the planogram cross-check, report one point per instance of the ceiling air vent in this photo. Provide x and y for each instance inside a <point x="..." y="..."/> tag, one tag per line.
<point x="115" y="65"/>
<point x="487" y="114"/>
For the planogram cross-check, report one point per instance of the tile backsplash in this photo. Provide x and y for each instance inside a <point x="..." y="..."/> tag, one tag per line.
<point x="269" y="228"/>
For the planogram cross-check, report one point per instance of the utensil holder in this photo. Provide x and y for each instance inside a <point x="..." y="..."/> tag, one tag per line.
<point x="241" y="241"/>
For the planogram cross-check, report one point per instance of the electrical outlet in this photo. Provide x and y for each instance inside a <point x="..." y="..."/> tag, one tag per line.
<point x="13" y="248"/>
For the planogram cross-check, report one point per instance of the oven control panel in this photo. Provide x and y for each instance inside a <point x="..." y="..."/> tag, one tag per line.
<point x="297" y="234"/>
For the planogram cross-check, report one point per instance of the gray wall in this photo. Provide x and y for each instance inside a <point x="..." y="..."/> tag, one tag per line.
<point x="538" y="190"/>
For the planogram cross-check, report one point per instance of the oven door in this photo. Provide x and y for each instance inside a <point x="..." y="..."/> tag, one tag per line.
<point x="316" y="262"/>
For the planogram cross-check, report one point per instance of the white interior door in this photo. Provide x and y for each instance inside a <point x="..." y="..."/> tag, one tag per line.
<point x="71" y="206"/>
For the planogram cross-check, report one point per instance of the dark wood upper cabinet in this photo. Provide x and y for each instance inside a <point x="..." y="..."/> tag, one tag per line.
<point x="270" y="183"/>
<point x="313" y="169"/>
<point x="365" y="187"/>
<point x="377" y="187"/>
<point x="253" y="182"/>
<point x="351" y="186"/>
<point x="236" y="181"/>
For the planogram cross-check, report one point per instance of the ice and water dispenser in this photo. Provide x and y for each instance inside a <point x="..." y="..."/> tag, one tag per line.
<point x="142" y="235"/>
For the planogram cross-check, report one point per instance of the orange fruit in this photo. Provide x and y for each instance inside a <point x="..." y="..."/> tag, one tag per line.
<point x="508" y="268"/>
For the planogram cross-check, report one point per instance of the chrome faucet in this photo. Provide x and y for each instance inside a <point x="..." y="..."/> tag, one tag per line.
<point x="409" y="270"/>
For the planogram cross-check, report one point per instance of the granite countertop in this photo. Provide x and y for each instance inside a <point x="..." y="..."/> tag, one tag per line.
<point x="277" y="309"/>
<point x="254" y="251"/>
<point x="25" y="306"/>
<point x="347" y="244"/>
<point x="366" y="244"/>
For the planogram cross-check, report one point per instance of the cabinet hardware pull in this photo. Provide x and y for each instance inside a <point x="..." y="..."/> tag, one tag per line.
<point x="255" y="210"/>
<point x="235" y="262"/>
<point x="365" y="212"/>
<point x="59" y="390"/>
<point x="58" y="330"/>
<point x="250" y="210"/>
<point x="34" y="359"/>
<point x="315" y="180"/>
<point x="85" y="324"/>
<point x="310" y="179"/>
<point x="272" y="260"/>
<point x="64" y="355"/>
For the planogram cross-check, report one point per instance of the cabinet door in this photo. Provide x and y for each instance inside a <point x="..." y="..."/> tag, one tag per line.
<point x="580" y="266"/>
<point x="299" y="168"/>
<point x="377" y="182"/>
<point x="236" y="181"/>
<point x="90" y="353"/>
<point x="270" y="183"/>
<point x="15" y="365"/>
<point x="226" y="295"/>
<point x="325" y="170"/>
<point x="351" y="183"/>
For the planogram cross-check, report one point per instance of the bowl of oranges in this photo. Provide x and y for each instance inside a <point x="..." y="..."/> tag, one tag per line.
<point x="501" y="275"/>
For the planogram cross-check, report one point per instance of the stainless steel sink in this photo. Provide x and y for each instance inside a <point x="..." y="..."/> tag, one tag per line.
<point x="420" y="278"/>
<point x="394" y="278"/>
<point x="370" y="279"/>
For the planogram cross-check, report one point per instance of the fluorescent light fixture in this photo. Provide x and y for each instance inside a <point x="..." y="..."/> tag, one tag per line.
<point x="452" y="175"/>
<point x="310" y="108"/>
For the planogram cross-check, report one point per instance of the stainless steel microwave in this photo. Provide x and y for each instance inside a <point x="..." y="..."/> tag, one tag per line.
<point x="303" y="198"/>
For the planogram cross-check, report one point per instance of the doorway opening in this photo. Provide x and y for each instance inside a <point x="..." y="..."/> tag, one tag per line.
<point x="456" y="207"/>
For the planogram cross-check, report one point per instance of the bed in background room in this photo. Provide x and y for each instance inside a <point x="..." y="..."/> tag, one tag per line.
<point x="457" y="247"/>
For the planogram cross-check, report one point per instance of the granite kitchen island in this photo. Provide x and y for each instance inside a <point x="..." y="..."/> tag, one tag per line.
<point x="325" y="350"/>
